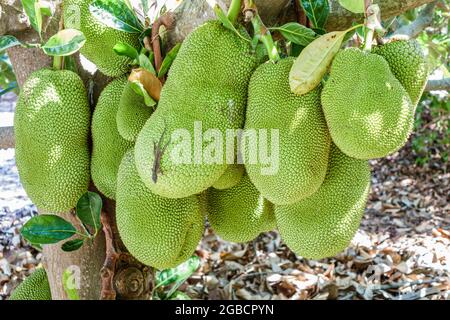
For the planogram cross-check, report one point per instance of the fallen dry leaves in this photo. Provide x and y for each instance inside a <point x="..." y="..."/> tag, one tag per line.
<point x="402" y="250"/>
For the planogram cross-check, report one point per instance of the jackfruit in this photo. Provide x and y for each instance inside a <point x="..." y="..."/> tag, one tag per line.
<point x="108" y="147"/>
<point x="100" y="39"/>
<point x="206" y="89"/>
<point x="368" y="112"/>
<point x="34" y="287"/>
<point x="408" y="64"/>
<point x="51" y="128"/>
<point x="304" y="141"/>
<point x="132" y="114"/>
<point x="157" y="231"/>
<point x="230" y="178"/>
<point x="323" y="224"/>
<point x="239" y="214"/>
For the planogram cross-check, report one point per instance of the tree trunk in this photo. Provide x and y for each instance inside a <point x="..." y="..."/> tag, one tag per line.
<point x="132" y="279"/>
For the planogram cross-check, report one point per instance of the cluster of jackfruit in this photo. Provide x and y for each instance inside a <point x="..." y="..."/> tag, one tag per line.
<point x="317" y="195"/>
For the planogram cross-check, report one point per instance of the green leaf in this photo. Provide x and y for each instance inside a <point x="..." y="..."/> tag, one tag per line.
<point x="124" y="49"/>
<point x="69" y="285"/>
<point x="116" y="14"/>
<point x="226" y="22"/>
<point x="168" y="60"/>
<point x="313" y="62"/>
<point x="179" y="273"/>
<point x="32" y="10"/>
<point x="64" y="43"/>
<point x="89" y="208"/>
<point x="72" y="245"/>
<point x="7" y="42"/>
<point x="355" y="6"/>
<point x="178" y="295"/>
<point x="296" y="33"/>
<point x="145" y="63"/>
<point x="140" y="90"/>
<point x="296" y="50"/>
<point x="317" y="11"/>
<point x="11" y="87"/>
<point x="70" y="64"/>
<point x="47" y="229"/>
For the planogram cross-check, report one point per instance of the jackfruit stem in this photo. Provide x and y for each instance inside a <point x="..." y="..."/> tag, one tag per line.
<point x="58" y="63"/>
<point x="234" y="10"/>
<point x="263" y="34"/>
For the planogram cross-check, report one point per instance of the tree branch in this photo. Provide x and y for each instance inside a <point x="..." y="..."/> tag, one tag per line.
<point x="441" y="84"/>
<point x="109" y="268"/>
<point x="423" y="20"/>
<point x="341" y="18"/>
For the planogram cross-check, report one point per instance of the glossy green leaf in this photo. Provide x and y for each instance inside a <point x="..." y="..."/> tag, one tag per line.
<point x="168" y="60"/>
<point x="72" y="245"/>
<point x="296" y="33"/>
<point x="30" y="6"/>
<point x="145" y="63"/>
<point x="116" y="14"/>
<point x="89" y="208"/>
<point x="317" y="11"/>
<point x="179" y="273"/>
<point x="355" y="6"/>
<point x="226" y="22"/>
<point x="178" y="295"/>
<point x="47" y="229"/>
<point x="140" y="90"/>
<point x="70" y="64"/>
<point x="11" y="87"/>
<point x="124" y="49"/>
<point x="64" y="43"/>
<point x="7" y="42"/>
<point x="313" y="62"/>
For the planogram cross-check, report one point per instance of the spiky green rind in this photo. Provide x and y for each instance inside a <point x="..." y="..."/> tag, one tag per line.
<point x="207" y="83"/>
<point x="369" y="113"/>
<point x="100" y="39"/>
<point x="51" y="128"/>
<point x="108" y="147"/>
<point x="35" y="287"/>
<point x="323" y="224"/>
<point x="230" y="178"/>
<point x="240" y="213"/>
<point x="157" y="231"/>
<point x="304" y="141"/>
<point x="132" y="114"/>
<point x="409" y="65"/>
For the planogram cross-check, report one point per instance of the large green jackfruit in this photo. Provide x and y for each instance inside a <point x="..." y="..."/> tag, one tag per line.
<point x="157" y="231"/>
<point x="230" y="178"/>
<point x="408" y="64"/>
<point x="132" y="114"/>
<point x="239" y="214"/>
<point x="34" y="287"/>
<point x="108" y="147"/>
<point x="206" y="89"/>
<point x="368" y="112"/>
<point x="100" y="39"/>
<point x="51" y="128"/>
<point x="323" y="225"/>
<point x="304" y="141"/>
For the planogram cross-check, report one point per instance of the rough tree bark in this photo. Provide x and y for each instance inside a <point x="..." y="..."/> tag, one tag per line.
<point x="132" y="280"/>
